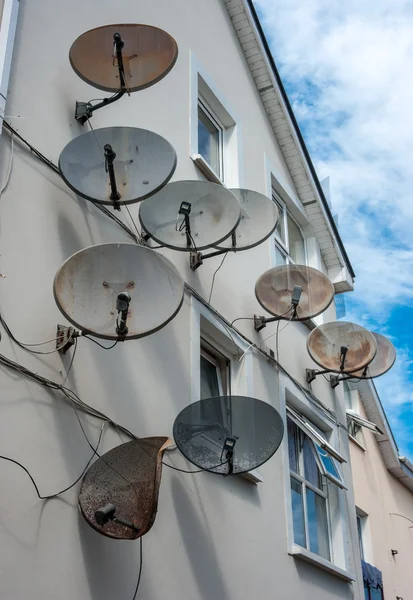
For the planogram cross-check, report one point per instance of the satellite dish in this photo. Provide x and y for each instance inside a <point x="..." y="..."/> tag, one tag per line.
<point x="259" y="216"/>
<point x="228" y="434"/>
<point x="276" y="288"/>
<point x="188" y="215"/>
<point x="128" y="479"/>
<point x="108" y="288"/>
<point x="148" y="55"/>
<point x="382" y="362"/>
<point x="143" y="163"/>
<point x="341" y="347"/>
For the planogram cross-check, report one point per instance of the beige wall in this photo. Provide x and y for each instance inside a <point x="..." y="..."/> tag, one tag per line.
<point x="379" y="494"/>
<point x="214" y="538"/>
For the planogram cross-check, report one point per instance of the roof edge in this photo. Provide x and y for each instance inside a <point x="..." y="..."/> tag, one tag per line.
<point x="299" y="136"/>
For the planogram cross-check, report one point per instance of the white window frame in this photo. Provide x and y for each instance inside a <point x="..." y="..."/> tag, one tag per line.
<point x="204" y="90"/>
<point x="357" y="419"/>
<point x="221" y="363"/>
<point x="322" y="492"/>
<point x="342" y="552"/>
<point x="7" y="35"/>
<point x="208" y="112"/>
<point x="284" y="213"/>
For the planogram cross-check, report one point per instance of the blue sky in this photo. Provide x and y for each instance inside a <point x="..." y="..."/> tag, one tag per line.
<point x="348" y="70"/>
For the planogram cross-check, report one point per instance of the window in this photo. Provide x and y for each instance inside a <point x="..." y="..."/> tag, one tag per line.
<point x="360" y="536"/>
<point x="355" y="424"/>
<point x="210" y="136"/>
<point x="312" y="467"/>
<point x="216" y="146"/>
<point x="214" y="381"/>
<point x="289" y="240"/>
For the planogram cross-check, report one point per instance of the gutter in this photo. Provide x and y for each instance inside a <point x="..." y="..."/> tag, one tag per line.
<point x="300" y="138"/>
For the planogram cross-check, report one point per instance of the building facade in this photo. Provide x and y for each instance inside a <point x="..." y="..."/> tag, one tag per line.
<point x="288" y="530"/>
<point x="383" y="487"/>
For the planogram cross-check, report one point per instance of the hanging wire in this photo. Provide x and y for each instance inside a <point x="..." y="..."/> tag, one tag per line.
<point x="140" y="568"/>
<point x="54" y="168"/>
<point x="25" y="346"/>
<point x="132" y="219"/>
<point x="253" y="343"/>
<point x="6" y="181"/>
<point x="213" y="277"/>
<point x="197" y="471"/>
<point x="71" y="363"/>
<point x="95" y="449"/>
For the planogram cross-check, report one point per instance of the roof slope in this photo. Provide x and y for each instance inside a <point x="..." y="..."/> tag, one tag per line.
<point x="274" y="97"/>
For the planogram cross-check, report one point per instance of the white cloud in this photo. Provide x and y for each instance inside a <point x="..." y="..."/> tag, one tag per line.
<point x="348" y="67"/>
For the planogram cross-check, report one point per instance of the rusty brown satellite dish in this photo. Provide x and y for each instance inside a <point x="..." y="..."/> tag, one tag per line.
<point x="382" y="362"/>
<point x="148" y="54"/>
<point x="128" y="477"/>
<point x="274" y="291"/>
<point x="325" y="346"/>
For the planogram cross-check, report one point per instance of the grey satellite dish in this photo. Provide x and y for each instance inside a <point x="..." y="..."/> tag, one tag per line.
<point x="190" y="215"/>
<point x="228" y="435"/>
<point x="259" y="216"/>
<point x="118" y="291"/>
<point x="117" y="165"/>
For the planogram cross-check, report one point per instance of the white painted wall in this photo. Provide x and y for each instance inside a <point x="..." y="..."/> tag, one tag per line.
<point x="214" y="538"/>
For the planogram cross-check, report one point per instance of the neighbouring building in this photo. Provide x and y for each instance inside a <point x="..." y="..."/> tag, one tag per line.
<point x="383" y="488"/>
<point x="286" y="531"/>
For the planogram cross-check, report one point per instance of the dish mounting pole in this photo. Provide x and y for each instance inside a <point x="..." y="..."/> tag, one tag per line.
<point x="85" y="110"/>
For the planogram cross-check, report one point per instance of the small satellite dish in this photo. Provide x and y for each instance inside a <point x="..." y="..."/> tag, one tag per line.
<point x="275" y="291"/>
<point x="259" y="216"/>
<point x="382" y="362"/>
<point x="188" y="215"/>
<point x="118" y="291"/>
<point x="126" y="481"/>
<point x="140" y="161"/>
<point x="341" y="347"/>
<point x="148" y="55"/>
<point x="228" y="435"/>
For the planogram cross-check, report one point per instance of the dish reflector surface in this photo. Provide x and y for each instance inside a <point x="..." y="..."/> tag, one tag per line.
<point x="129" y="477"/>
<point x="324" y="345"/>
<point x="144" y="163"/>
<point x="214" y="214"/>
<point x="200" y="431"/>
<point x="259" y="216"/>
<point x="274" y="290"/>
<point x="87" y="285"/>
<point x="148" y="54"/>
<point x="382" y="362"/>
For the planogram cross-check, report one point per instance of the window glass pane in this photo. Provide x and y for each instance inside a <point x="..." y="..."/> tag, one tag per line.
<point x="311" y="470"/>
<point x="317" y="524"/>
<point x="328" y="462"/>
<point x="208" y="140"/>
<point x="209" y="379"/>
<point x="360" y="536"/>
<point x="376" y="594"/>
<point x="366" y="592"/>
<point x="279" y="230"/>
<point x="280" y="257"/>
<point x="295" y="242"/>
<point x="293" y="433"/>
<point x="298" y="512"/>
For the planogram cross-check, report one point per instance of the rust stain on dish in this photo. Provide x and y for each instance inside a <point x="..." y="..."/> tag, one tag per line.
<point x="274" y="291"/>
<point x="149" y="54"/>
<point x="129" y="477"/>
